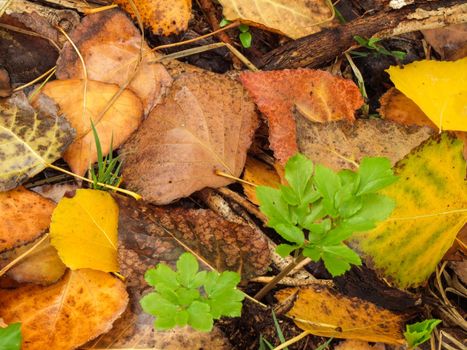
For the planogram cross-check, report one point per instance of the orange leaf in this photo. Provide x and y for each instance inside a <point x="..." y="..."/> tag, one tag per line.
<point x="260" y="174"/>
<point x="318" y="95"/>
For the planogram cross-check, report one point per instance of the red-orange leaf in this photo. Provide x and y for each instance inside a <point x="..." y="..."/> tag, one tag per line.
<point x="316" y="94"/>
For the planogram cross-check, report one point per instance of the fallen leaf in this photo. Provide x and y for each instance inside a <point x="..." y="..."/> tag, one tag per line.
<point x="358" y="345"/>
<point x="206" y="123"/>
<point x="67" y="314"/>
<point x="188" y="338"/>
<point x="326" y="313"/>
<point x="296" y="19"/>
<point x="449" y="42"/>
<point x="339" y="145"/>
<point x="5" y="87"/>
<point x="438" y="88"/>
<point x="316" y="94"/>
<point x="149" y="235"/>
<point x="260" y="174"/>
<point x="162" y="16"/>
<point x="55" y="192"/>
<point x="41" y="266"/>
<point x="24" y="216"/>
<point x="115" y="125"/>
<point x="397" y="107"/>
<point x="29" y="139"/>
<point x="431" y="197"/>
<point x="110" y="46"/>
<point x="84" y="230"/>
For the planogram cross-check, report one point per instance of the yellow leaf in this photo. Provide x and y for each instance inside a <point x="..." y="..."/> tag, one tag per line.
<point x="84" y="231"/>
<point x="260" y="174"/>
<point x="438" y="88"/>
<point x="431" y="208"/>
<point x="327" y="313"/>
<point x="294" y="18"/>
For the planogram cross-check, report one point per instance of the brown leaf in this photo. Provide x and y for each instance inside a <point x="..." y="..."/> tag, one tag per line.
<point x="149" y="235"/>
<point x="115" y="126"/>
<point x="188" y="338"/>
<point x="67" y="314"/>
<point x="316" y="94"/>
<point x="450" y="42"/>
<point x="162" y="16"/>
<point x="24" y="216"/>
<point x="358" y="345"/>
<point x="110" y="46"/>
<point x="206" y="123"/>
<point x="260" y="174"/>
<point x="322" y="311"/>
<point x="338" y="145"/>
<point x="5" y="87"/>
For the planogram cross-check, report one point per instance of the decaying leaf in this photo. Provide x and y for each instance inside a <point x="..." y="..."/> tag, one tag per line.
<point x="431" y="202"/>
<point x="84" y="230"/>
<point x="66" y="314"/>
<point x="149" y="235"/>
<point x="438" y="88"/>
<point x="261" y="174"/>
<point x="41" y="265"/>
<point x="29" y="139"/>
<point x="338" y="144"/>
<point x="324" y="312"/>
<point x="294" y="18"/>
<point x="24" y="216"/>
<point x="206" y="123"/>
<point x="316" y="94"/>
<point x="188" y="338"/>
<point x="115" y="125"/>
<point x="359" y="345"/>
<point x="450" y="41"/>
<point x="163" y="17"/>
<point x="5" y="87"/>
<point x="110" y="45"/>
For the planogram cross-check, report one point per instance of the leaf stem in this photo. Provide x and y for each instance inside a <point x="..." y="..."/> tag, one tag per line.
<point x="221" y="173"/>
<point x="292" y="340"/>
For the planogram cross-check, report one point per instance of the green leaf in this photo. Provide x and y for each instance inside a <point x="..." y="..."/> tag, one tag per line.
<point x="273" y="205"/>
<point x="163" y="274"/>
<point x="317" y="212"/>
<point x="10" y="337"/>
<point x="312" y="252"/>
<point x="224" y="22"/>
<point x="327" y="182"/>
<point x="375" y="207"/>
<point x="200" y="317"/>
<point x="186" y="296"/>
<point x="420" y="332"/>
<point x="298" y="173"/>
<point x="246" y="39"/>
<point x="337" y="259"/>
<point x="243" y="28"/>
<point x="289" y="195"/>
<point x="375" y="174"/>
<point x="290" y="233"/>
<point x="285" y="249"/>
<point x="181" y="318"/>
<point x="156" y="305"/>
<point x="187" y="266"/>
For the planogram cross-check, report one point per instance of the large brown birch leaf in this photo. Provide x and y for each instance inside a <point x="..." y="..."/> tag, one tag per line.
<point x="339" y="145"/>
<point x="110" y="45"/>
<point x="316" y="94"/>
<point x="29" y="139"/>
<point x="149" y="235"/>
<point x="66" y="314"/>
<point x="113" y="127"/>
<point x="206" y="123"/>
<point x="294" y="18"/>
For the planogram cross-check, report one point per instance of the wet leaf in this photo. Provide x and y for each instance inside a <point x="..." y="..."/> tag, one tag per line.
<point x="162" y="16"/>
<point x="206" y="123"/>
<point x="66" y="314"/>
<point x="260" y="174"/>
<point x="317" y="95"/>
<point x="84" y="230"/>
<point x="110" y="46"/>
<point x="29" y="139"/>
<point x="431" y="197"/>
<point x="324" y="312"/>
<point x="295" y="19"/>
<point x="117" y="123"/>
<point x="438" y="88"/>
<point x="24" y="216"/>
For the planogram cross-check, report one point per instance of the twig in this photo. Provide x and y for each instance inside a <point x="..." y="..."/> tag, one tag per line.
<point x="252" y="209"/>
<point x="294" y="282"/>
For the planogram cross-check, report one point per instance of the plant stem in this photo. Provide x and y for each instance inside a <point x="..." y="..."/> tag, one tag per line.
<point x="293" y="340"/>
<point x="276" y="279"/>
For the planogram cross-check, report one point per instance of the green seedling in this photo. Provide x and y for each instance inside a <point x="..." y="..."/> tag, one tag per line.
<point x="418" y="333"/>
<point x="245" y="34"/>
<point x="321" y="208"/>
<point x="10" y="337"/>
<point x="108" y="167"/>
<point x="191" y="297"/>
<point x="374" y="46"/>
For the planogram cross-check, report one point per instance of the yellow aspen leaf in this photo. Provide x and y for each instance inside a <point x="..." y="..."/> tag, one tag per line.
<point x="324" y="312"/>
<point x="438" y="88"/>
<point x="431" y="208"/>
<point x="260" y="174"/>
<point x="84" y="230"/>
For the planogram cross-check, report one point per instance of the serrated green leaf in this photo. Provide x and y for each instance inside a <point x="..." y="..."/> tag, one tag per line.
<point x="273" y="205"/>
<point x="163" y="274"/>
<point x="290" y="233"/>
<point x="200" y="317"/>
<point x="420" y="332"/>
<point x="375" y="207"/>
<point x="187" y="267"/>
<point x="181" y="318"/>
<point x="312" y="252"/>
<point x="156" y="305"/>
<point x="186" y="296"/>
<point x="10" y="337"/>
<point x="375" y="174"/>
<point x="337" y="259"/>
<point x="327" y="182"/>
<point x="285" y="249"/>
<point x="298" y="173"/>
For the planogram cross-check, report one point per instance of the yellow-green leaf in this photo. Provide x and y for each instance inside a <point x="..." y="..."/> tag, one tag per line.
<point x="438" y="88"/>
<point x="84" y="230"/>
<point x="431" y="208"/>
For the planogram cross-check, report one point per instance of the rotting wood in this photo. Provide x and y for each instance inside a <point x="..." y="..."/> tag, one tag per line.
<point x="320" y="48"/>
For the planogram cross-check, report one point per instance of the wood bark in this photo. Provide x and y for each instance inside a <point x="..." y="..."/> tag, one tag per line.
<point x="320" y="48"/>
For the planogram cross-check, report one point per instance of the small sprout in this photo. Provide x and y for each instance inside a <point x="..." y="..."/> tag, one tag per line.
<point x="420" y="332"/>
<point x="374" y="45"/>
<point x="224" y="22"/>
<point x="245" y="34"/>
<point x="191" y="297"/>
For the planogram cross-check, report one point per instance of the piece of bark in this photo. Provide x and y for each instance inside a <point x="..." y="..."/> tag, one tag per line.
<point x="318" y="49"/>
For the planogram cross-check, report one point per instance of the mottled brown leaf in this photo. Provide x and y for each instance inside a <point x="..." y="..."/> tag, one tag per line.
<point x="316" y="94"/>
<point x="110" y="45"/>
<point x="5" y="88"/>
<point x="450" y="41"/>
<point x="206" y="123"/>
